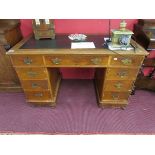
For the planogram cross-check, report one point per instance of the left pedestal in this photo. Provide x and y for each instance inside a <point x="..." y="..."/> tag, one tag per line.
<point x="40" y="84"/>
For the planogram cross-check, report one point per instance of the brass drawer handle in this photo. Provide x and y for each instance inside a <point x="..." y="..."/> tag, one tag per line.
<point x="32" y="74"/>
<point x="38" y="94"/>
<point x="126" y="61"/>
<point x="56" y="61"/>
<point x="115" y="96"/>
<point x="122" y="74"/>
<point x="96" y="61"/>
<point x="118" y="85"/>
<point x="34" y="85"/>
<point x="27" y="61"/>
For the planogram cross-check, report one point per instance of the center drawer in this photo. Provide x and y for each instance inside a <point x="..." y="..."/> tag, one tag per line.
<point x="76" y="60"/>
<point x="31" y="73"/>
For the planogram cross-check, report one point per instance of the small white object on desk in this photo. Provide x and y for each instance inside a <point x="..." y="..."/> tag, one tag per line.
<point x="82" y="45"/>
<point x="79" y="37"/>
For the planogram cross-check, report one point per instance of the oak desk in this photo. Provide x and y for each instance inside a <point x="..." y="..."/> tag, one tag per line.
<point x="37" y="64"/>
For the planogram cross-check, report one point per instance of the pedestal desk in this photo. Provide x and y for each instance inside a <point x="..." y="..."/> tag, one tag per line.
<point x="37" y="64"/>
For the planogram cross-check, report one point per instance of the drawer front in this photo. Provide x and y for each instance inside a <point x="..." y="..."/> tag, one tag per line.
<point x="126" y="60"/>
<point x="76" y="60"/>
<point x="45" y="33"/>
<point x="27" y="60"/>
<point x="38" y="95"/>
<point x="31" y="73"/>
<point x="121" y="74"/>
<point x="35" y="85"/>
<point x="115" y="95"/>
<point x="118" y="85"/>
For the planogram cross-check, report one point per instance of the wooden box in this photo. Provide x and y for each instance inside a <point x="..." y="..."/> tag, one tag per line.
<point x="43" y="28"/>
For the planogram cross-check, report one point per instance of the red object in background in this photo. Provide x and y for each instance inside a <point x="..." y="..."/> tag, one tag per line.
<point x="26" y="27"/>
<point x="147" y="70"/>
<point x="151" y="54"/>
<point x="85" y="26"/>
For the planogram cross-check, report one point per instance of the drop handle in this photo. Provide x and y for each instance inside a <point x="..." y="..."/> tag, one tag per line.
<point x="118" y="85"/>
<point x="122" y="74"/>
<point x="27" y="61"/>
<point x="126" y="61"/>
<point x="32" y="74"/>
<point x="56" y="61"/>
<point x="96" y="61"/>
<point x="38" y="95"/>
<point x="34" y="85"/>
<point x="115" y="96"/>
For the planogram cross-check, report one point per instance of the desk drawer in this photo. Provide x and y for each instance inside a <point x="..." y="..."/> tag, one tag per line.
<point x="115" y="95"/>
<point x="126" y="60"/>
<point x="35" y="85"/>
<point x="118" y="85"/>
<point x="32" y="73"/>
<point x="76" y="60"/>
<point x="121" y="74"/>
<point x="27" y="60"/>
<point x="38" y="95"/>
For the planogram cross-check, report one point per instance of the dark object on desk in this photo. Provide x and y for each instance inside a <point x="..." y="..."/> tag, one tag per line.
<point x="10" y="34"/>
<point x="144" y="32"/>
<point x="61" y="42"/>
<point x="43" y="28"/>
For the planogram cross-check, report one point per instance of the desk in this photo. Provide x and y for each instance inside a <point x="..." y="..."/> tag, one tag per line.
<point x="37" y="64"/>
